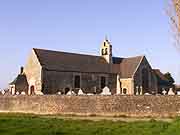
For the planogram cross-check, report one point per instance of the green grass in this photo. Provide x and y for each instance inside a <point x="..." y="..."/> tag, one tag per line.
<point x="20" y="124"/>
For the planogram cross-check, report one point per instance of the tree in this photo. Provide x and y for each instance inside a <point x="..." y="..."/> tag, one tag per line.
<point x="169" y="77"/>
<point x="173" y="12"/>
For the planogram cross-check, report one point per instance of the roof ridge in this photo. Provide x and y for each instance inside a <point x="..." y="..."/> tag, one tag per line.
<point x="130" y="57"/>
<point x="136" y="56"/>
<point x="66" y="52"/>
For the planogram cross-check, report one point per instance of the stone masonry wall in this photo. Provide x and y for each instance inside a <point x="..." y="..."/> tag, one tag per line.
<point x="128" y="85"/>
<point x="131" y="106"/>
<point x="90" y="82"/>
<point x="33" y="72"/>
<point x="152" y="78"/>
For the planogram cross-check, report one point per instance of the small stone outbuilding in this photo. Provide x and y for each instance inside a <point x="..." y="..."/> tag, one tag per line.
<point x="19" y="84"/>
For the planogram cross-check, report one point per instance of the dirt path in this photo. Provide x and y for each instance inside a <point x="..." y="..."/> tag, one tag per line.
<point x="108" y="118"/>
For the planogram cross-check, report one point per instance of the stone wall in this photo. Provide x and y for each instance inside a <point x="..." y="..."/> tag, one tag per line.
<point x="127" y="84"/>
<point x="55" y="81"/>
<point x="151" y="77"/>
<point x="131" y="106"/>
<point x="32" y="71"/>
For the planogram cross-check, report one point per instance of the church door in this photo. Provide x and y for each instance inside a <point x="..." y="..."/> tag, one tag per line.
<point x="32" y="89"/>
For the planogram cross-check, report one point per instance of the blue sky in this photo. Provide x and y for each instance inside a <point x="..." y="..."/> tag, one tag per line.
<point x="138" y="27"/>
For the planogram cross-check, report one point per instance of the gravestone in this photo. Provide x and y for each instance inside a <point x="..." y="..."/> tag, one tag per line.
<point x="3" y="92"/>
<point x="59" y="93"/>
<point x="106" y="91"/>
<point x="90" y="94"/>
<point x="70" y="93"/>
<point x="141" y="90"/>
<point x="171" y="92"/>
<point x="80" y="92"/>
<point x="178" y="92"/>
<point x="164" y="92"/>
<point x="137" y="90"/>
<point x="23" y="93"/>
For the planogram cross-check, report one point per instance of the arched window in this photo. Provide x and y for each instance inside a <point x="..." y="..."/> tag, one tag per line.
<point x="77" y="81"/>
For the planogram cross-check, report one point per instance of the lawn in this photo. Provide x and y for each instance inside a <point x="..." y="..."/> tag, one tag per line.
<point x="20" y="124"/>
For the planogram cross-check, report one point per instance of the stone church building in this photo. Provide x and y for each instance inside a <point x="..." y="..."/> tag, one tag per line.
<point x="50" y="72"/>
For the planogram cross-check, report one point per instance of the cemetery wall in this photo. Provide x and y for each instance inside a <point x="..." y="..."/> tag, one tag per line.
<point x="126" y="106"/>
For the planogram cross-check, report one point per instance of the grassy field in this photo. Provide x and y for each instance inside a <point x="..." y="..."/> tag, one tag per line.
<point x="19" y="124"/>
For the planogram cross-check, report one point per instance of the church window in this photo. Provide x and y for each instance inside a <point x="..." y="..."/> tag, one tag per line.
<point x="77" y="81"/>
<point x="103" y="82"/>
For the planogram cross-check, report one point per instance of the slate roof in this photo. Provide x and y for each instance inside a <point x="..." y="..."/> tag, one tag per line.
<point x="128" y="66"/>
<point x="21" y="78"/>
<point x="63" y="61"/>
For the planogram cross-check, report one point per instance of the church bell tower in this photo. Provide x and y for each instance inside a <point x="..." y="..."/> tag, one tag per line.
<point x="106" y="51"/>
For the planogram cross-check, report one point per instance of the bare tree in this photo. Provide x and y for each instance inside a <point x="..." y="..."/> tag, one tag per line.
<point x="173" y="12"/>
